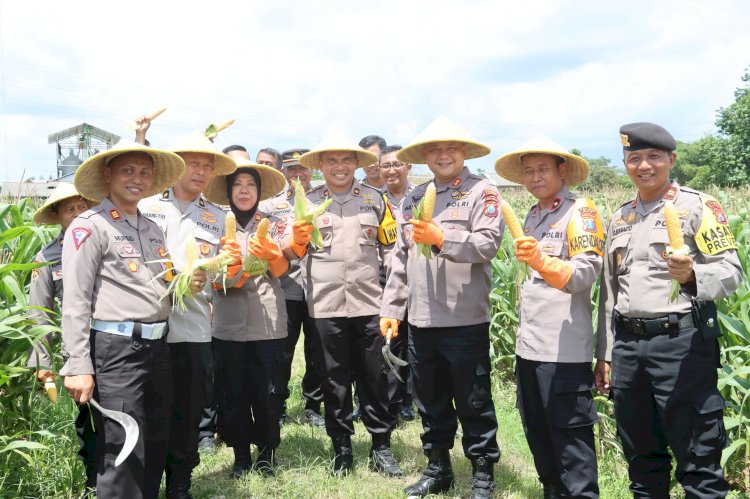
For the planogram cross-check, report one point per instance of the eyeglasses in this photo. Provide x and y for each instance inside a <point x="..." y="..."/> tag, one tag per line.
<point x="388" y="166"/>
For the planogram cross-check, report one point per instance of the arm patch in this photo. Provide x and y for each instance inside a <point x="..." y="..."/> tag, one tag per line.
<point x="585" y="229"/>
<point x="714" y="235"/>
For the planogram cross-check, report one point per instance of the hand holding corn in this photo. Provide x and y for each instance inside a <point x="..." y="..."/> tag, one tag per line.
<point x="426" y="232"/>
<point x="680" y="263"/>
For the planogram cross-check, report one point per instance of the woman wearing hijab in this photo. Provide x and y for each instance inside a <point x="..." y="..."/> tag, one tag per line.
<point x="249" y="321"/>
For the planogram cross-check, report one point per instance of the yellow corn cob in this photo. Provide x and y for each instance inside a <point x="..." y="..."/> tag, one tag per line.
<point x="191" y="254"/>
<point x="429" y="203"/>
<point x="51" y="390"/>
<point x="262" y="231"/>
<point x="224" y="126"/>
<point x="230" y="226"/>
<point x="155" y="115"/>
<point x="511" y="220"/>
<point x="674" y="228"/>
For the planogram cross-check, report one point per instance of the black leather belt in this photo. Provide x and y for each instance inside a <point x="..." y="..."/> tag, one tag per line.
<point x="668" y="324"/>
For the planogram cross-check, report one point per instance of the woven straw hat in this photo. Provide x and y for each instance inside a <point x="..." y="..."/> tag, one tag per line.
<point x="197" y="142"/>
<point x="337" y="142"/>
<point x="271" y="182"/>
<point x="441" y="130"/>
<point x="168" y="168"/>
<point x="509" y="165"/>
<point x="63" y="191"/>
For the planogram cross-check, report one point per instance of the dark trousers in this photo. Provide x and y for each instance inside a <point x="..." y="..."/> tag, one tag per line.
<point x="298" y="320"/>
<point x="134" y="376"/>
<point x="86" y="444"/>
<point x="191" y="365"/>
<point x="665" y="395"/>
<point x="558" y="415"/>
<point x="352" y="350"/>
<point x="400" y="394"/>
<point x="253" y="387"/>
<point x="452" y="365"/>
<point x="209" y="424"/>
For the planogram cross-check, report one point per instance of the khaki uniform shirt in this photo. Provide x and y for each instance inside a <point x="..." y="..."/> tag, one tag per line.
<point x="203" y="223"/>
<point x="556" y="325"/>
<point x="280" y="212"/>
<point x="110" y="273"/>
<point x="343" y="276"/>
<point x="453" y="288"/>
<point x="257" y="310"/>
<point x="394" y="204"/>
<point x="46" y="285"/>
<point x="636" y="281"/>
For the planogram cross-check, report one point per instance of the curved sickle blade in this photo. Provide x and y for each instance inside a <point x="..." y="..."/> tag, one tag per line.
<point x="129" y="425"/>
<point x="390" y="358"/>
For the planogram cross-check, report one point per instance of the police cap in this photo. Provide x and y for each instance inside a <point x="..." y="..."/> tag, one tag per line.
<point x="635" y="136"/>
<point x="290" y="157"/>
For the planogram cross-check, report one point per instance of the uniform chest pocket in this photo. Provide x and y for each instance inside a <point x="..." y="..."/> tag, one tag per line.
<point x="657" y="248"/>
<point x="368" y="228"/>
<point x="325" y="224"/>
<point x="619" y="253"/>
<point x="455" y="219"/>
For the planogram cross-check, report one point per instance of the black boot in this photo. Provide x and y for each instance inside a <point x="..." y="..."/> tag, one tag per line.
<point x="266" y="461"/>
<point x="243" y="462"/>
<point x="437" y="477"/>
<point x="381" y="457"/>
<point x="482" y="478"/>
<point x="343" y="461"/>
<point x="178" y="483"/>
<point x="551" y="491"/>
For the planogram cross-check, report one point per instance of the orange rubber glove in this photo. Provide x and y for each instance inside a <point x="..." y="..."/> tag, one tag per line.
<point x="245" y="276"/>
<point x="233" y="248"/>
<point x="301" y="231"/>
<point x="265" y="249"/>
<point x="554" y="271"/>
<point x="427" y="233"/>
<point x="388" y="323"/>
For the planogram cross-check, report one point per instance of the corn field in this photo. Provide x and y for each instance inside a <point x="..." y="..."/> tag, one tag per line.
<point x="35" y="436"/>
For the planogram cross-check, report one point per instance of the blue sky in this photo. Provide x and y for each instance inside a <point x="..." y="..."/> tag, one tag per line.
<point x="288" y="72"/>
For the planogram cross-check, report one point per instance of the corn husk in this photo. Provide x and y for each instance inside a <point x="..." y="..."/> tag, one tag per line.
<point x="424" y="211"/>
<point x="301" y="212"/>
<point x="676" y="243"/>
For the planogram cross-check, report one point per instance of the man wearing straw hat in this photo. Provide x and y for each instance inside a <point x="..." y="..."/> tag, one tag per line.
<point x="186" y="217"/>
<point x="280" y="211"/>
<point x="658" y="325"/>
<point x="447" y="297"/>
<point x="343" y="295"/>
<point x="563" y="244"/>
<point x="115" y="312"/>
<point x="61" y="208"/>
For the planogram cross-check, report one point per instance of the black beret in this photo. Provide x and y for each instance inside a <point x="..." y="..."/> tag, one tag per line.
<point x="635" y="136"/>
<point x="290" y="157"/>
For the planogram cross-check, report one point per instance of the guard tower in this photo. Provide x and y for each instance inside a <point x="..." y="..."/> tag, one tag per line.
<point x="75" y="145"/>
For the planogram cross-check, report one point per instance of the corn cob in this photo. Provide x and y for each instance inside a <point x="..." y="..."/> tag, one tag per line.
<point x="429" y="203"/>
<point x="133" y="125"/>
<point x="224" y="125"/>
<point x="302" y="213"/>
<point x="155" y="115"/>
<point x="212" y="130"/>
<point x="674" y="228"/>
<point x="51" y="389"/>
<point x="191" y="253"/>
<point x="511" y="220"/>
<point x="230" y="226"/>
<point x="262" y="231"/>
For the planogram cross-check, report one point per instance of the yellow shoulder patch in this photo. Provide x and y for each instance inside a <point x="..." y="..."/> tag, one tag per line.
<point x="714" y="234"/>
<point x="388" y="228"/>
<point x="585" y="229"/>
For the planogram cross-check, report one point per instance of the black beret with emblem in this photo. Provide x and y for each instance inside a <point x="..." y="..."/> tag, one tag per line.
<point x="642" y="135"/>
<point x="290" y="157"/>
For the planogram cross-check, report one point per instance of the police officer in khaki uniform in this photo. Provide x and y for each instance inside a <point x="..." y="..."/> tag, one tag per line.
<point x="662" y="346"/>
<point x="280" y="211"/>
<point x="249" y="326"/>
<point x="115" y="312"/>
<point x="563" y="244"/>
<point x="448" y="306"/>
<point x="186" y="217"/>
<point x="396" y="185"/>
<point x="343" y="295"/>
<point x="63" y="205"/>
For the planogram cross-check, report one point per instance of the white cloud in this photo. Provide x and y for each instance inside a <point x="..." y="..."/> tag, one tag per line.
<point x="288" y="71"/>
